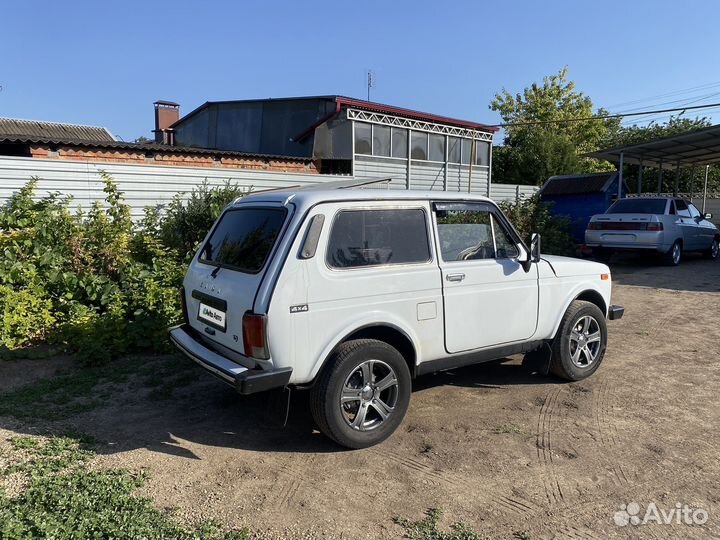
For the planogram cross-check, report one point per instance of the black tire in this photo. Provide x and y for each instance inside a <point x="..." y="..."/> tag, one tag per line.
<point x="714" y="250"/>
<point x="602" y="254"/>
<point x="342" y="375"/>
<point x="562" y="363"/>
<point x="673" y="256"/>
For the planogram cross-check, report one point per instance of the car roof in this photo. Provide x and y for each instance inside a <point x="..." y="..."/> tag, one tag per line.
<point x="315" y="196"/>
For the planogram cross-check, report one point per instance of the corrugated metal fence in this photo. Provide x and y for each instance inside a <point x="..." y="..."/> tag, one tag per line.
<point x="152" y="185"/>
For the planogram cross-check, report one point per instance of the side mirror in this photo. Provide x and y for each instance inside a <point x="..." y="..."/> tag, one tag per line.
<point x="526" y="259"/>
<point x="708" y="216"/>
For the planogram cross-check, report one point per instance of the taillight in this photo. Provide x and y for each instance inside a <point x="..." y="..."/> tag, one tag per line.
<point x="655" y="227"/>
<point x="254" y="336"/>
<point x="183" y="306"/>
<point x="594" y="226"/>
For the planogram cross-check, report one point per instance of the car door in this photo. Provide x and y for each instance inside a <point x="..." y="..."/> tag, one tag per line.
<point x="488" y="297"/>
<point x="688" y="225"/>
<point x="705" y="229"/>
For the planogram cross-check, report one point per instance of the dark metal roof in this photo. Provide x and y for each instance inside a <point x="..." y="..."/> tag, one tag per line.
<point x="142" y="147"/>
<point x="699" y="147"/>
<point x="359" y="104"/>
<point x="13" y="127"/>
<point x="579" y="184"/>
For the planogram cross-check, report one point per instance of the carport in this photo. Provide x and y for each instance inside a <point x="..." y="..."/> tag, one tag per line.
<point x="691" y="149"/>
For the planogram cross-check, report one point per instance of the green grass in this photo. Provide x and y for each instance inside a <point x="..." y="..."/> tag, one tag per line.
<point x="63" y="499"/>
<point x="507" y="429"/>
<point x="428" y="529"/>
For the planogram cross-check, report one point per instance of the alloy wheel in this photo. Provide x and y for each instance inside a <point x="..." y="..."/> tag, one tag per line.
<point x="369" y="395"/>
<point x="585" y="340"/>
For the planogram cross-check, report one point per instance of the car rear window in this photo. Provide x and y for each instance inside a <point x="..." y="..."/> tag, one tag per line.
<point x="375" y="237"/>
<point x="638" y="206"/>
<point x="243" y="238"/>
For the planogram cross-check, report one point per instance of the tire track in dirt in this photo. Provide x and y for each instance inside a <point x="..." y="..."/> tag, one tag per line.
<point x="426" y="472"/>
<point x="545" y="450"/>
<point x="290" y="480"/>
<point x="513" y="502"/>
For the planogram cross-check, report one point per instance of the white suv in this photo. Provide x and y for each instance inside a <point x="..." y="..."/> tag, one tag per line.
<point x="354" y="292"/>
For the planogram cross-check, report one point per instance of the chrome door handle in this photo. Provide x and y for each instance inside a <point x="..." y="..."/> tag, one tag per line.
<point x="455" y="277"/>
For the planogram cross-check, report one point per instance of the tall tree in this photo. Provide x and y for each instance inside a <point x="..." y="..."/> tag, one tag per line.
<point x="543" y="136"/>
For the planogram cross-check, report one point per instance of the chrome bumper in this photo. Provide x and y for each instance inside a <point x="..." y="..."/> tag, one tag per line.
<point x="245" y="380"/>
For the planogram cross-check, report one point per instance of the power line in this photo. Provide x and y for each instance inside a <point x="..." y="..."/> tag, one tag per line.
<point x="604" y="116"/>
<point x="705" y="86"/>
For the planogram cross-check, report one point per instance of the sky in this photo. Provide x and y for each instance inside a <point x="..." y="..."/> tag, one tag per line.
<point x="104" y="63"/>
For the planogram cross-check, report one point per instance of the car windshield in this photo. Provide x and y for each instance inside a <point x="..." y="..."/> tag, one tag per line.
<point x="243" y="238"/>
<point x="638" y="206"/>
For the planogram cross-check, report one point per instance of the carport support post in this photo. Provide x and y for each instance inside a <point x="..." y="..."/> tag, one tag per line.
<point x="707" y="168"/>
<point x="639" y="189"/>
<point x="620" y="175"/>
<point x="660" y="178"/>
<point x="677" y="179"/>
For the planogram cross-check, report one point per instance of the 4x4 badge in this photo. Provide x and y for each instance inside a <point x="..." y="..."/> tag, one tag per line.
<point x="299" y="309"/>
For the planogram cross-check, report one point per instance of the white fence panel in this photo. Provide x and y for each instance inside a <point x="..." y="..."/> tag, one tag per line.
<point x="143" y="185"/>
<point x="508" y="192"/>
<point x="372" y="167"/>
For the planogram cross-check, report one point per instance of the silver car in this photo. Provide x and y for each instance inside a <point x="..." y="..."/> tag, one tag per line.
<point x="666" y="225"/>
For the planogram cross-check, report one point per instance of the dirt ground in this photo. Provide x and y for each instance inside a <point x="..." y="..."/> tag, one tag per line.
<point x="492" y="445"/>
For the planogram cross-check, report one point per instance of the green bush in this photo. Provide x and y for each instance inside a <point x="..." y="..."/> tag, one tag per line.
<point x="186" y="222"/>
<point x="93" y="281"/>
<point x="26" y="317"/>
<point x="531" y="215"/>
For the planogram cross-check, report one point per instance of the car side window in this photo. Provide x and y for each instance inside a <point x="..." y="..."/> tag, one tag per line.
<point x="470" y="234"/>
<point x="682" y="208"/>
<point x="694" y="212"/>
<point x="505" y="247"/>
<point x="361" y="238"/>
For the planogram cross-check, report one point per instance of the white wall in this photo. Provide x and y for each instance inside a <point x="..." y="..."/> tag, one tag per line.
<point x="143" y="185"/>
<point x="151" y="185"/>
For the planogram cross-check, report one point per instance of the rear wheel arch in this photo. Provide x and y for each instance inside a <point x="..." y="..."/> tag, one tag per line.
<point x="385" y="332"/>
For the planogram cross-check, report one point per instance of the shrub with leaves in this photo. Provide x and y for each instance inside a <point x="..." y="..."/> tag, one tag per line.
<point x="531" y="215"/>
<point x="187" y="220"/>
<point x="93" y="281"/>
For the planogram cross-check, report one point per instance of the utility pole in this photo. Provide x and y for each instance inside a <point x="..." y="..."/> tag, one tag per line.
<point x="370" y="83"/>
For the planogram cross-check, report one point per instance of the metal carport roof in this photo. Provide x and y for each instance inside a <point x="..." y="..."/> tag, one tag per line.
<point x="700" y="147"/>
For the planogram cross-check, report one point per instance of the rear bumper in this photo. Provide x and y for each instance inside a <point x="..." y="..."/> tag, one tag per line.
<point x="615" y="312"/>
<point x="245" y="380"/>
<point x="626" y="240"/>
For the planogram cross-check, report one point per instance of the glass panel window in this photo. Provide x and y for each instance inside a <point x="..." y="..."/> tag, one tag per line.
<point x="505" y="247"/>
<point x="437" y="147"/>
<point x="419" y="145"/>
<point x="482" y="156"/>
<point x="682" y="208"/>
<point x="363" y="138"/>
<point x="243" y="239"/>
<point x="381" y="141"/>
<point x="469" y="234"/>
<point x="694" y="212"/>
<point x="466" y="147"/>
<point x="399" y="143"/>
<point x="465" y="235"/>
<point x="376" y="237"/>
<point x="454" y="149"/>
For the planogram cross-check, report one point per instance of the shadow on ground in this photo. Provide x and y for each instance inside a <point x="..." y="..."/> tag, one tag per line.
<point x="694" y="273"/>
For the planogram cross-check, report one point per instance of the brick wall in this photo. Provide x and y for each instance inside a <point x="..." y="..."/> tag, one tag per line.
<point x="75" y="153"/>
